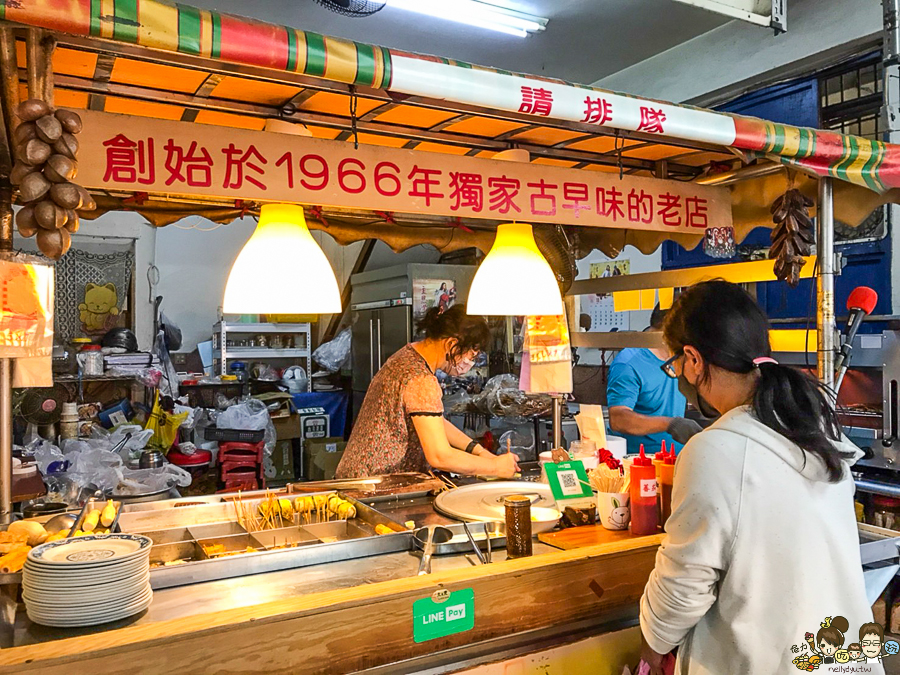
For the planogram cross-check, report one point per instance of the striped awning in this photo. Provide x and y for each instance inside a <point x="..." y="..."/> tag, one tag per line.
<point x="185" y="30"/>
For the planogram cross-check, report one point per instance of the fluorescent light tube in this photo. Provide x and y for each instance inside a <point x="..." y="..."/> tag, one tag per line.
<point x="475" y="13"/>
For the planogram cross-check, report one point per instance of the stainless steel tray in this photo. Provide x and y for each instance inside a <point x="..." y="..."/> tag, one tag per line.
<point x="182" y="537"/>
<point x="484" y="502"/>
<point x="460" y="542"/>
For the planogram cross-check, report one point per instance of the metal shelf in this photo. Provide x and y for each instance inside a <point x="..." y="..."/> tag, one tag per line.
<point x="263" y="353"/>
<point x="222" y="353"/>
<point x="263" y="327"/>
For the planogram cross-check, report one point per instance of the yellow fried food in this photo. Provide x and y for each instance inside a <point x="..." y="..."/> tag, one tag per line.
<point x="91" y="520"/>
<point x="108" y="515"/>
<point x="383" y="529"/>
<point x="320" y="501"/>
<point x="346" y="511"/>
<point x="287" y="511"/>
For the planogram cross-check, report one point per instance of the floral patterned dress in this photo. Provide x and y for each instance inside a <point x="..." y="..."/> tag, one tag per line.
<point x="384" y="440"/>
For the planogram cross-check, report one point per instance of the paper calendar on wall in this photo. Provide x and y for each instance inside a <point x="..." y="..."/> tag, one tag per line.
<point x="600" y="308"/>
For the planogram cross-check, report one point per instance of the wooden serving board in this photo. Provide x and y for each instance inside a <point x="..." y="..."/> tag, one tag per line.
<point x="586" y="535"/>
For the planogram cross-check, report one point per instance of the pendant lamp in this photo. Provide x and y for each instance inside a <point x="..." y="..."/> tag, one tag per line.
<point x="281" y="269"/>
<point x="515" y="279"/>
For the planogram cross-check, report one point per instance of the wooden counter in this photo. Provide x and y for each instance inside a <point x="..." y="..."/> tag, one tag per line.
<point x="364" y="626"/>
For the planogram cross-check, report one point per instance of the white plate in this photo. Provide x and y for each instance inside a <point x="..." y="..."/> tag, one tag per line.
<point x="484" y="502"/>
<point x="53" y="596"/>
<point x="90" y="608"/>
<point x="94" y="620"/>
<point x="100" y="572"/>
<point x="67" y="587"/>
<point x="91" y="550"/>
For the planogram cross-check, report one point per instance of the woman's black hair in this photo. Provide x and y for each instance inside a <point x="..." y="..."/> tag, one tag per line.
<point x="471" y="332"/>
<point x="723" y="322"/>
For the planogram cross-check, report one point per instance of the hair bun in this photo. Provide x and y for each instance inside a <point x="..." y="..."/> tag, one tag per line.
<point x="840" y="623"/>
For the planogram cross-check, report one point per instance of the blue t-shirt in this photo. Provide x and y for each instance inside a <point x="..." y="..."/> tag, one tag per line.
<point x="637" y="382"/>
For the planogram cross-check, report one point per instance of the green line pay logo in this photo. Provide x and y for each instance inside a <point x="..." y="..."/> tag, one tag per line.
<point x="454" y="613"/>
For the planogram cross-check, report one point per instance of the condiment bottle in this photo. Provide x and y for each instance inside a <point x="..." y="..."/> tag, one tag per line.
<point x="518" y="526"/>
<point x="666" y="479"/>
<point x="644" y="513"/>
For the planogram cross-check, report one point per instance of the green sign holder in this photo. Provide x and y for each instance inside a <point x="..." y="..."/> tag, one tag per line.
<point x="568" y="480"/>
<point x="443" y="614"/>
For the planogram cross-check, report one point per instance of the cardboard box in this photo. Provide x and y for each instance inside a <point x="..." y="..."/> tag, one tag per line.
<point x="280" y="466"/>
<point x="315" y="424"/>
<point x="287" y="427"/>
<point x="322" y="456"/>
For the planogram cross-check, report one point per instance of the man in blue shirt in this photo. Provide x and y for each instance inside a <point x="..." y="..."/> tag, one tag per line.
<point x="644" y="403"/>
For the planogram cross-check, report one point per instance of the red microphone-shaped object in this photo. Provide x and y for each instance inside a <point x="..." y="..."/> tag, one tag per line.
<point x="860" y="304"/>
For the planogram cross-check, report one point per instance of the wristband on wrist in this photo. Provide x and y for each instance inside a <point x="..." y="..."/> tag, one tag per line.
<point x="470" y="448"/>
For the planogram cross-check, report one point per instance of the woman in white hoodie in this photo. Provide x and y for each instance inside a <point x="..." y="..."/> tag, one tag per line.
<point x="762" y="543"/>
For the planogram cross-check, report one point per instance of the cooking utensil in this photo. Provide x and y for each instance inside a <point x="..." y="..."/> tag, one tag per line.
<point x="44" y="509"/>
<point x="152" y="459"/>
<point x="487" y="539"/>
<point x="81" y="514"/>
<point x="60" y="523"/>
<point x="478" y="552"/>
<point x="460" y="542"/>
<point x="429" y="535"/>
<point x="484" y="502"/>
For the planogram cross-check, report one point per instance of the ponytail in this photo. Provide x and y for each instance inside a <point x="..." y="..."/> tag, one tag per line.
<point x="724" y="323"/>
<point x="796" y="406"/>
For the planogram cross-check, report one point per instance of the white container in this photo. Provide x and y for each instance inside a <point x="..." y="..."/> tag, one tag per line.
<point x="613" y="510"/>
<point x="618" y="446"/>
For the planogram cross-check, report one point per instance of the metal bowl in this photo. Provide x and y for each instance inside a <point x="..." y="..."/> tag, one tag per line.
<point x="44" y="509"/>
<point x="152" y="459"/>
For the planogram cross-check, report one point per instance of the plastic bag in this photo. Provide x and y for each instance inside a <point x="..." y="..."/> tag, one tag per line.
<point x="251" y="415"/>
<point x="49" y="458"/>
<point x="502" y="397"/>
<point x="333" y="355"/>
<point x="141" y="481"/>
<point x="164" y="426"/>
<point x="171" y="333"/>
<point x="168" y="383"/>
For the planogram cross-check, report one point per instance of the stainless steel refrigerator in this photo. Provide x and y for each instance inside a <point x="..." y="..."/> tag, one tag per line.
<point x="385" y="305"/>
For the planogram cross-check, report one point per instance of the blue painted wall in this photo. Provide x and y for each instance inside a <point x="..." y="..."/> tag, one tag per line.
<point x="867" y="264"/>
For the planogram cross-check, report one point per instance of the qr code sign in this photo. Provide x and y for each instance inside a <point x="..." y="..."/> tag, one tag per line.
<point x="568" y="483"/>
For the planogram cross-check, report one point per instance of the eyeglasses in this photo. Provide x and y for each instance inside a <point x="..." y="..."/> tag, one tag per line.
<point x="668" y="366"/>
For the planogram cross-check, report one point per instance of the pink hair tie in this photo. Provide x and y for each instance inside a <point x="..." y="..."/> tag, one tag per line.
<point x="764" y="359"/>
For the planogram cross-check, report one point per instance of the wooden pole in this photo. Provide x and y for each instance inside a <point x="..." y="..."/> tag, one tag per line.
<point x="48" y="46"/>
<point x="34" y="59"/>
<point x="9" y="78"/>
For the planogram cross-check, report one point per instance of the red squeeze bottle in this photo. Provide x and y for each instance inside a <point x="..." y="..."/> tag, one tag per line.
<point x="644" y="513"/>
<point x="666" y="479"/>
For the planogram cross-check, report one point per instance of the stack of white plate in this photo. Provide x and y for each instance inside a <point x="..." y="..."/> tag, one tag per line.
<point x="87" y="580"/>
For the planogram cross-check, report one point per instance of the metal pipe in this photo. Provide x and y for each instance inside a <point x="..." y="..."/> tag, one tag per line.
<point x="747" y="173"/>
<point x="6" y="440"/>
<point x="825" y="323"/>
<point x="6" y="416"/>
<point x="878" y="488"/>
<point x="557" y="421"/>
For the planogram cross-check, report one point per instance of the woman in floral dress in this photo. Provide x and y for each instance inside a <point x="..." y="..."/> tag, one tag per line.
<point x="401" y="425"/>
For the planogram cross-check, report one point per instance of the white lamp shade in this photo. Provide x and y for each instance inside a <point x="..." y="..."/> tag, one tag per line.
<point x="281" y="269"/>
<point x="514" y="279"/>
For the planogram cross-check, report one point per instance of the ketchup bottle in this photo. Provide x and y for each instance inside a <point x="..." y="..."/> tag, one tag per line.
<point x="644" y="513"/>
<point x="666" y="479"/>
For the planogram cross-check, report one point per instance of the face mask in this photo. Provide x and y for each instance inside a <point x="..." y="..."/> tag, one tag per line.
<point x="461" y="367"/>
<point x="689" y="391"/>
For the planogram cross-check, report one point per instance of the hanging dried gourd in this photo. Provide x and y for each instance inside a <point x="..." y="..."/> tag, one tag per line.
<point x="46" y="166"/>
<point x="792" y="236"/>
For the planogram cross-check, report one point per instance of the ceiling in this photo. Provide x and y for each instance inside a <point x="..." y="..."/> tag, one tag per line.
<point x="584" y="41"/>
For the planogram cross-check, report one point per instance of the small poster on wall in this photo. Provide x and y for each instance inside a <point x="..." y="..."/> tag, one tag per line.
<point x="599" y="309"/>
<point x="428" y="293"/>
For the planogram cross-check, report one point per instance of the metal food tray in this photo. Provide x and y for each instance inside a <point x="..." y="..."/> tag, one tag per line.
<point x="185" y="533"/>
<point x="460" y="542"/>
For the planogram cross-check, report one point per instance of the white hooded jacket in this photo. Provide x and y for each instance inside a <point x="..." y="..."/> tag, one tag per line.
<point x="760" y="549"/>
